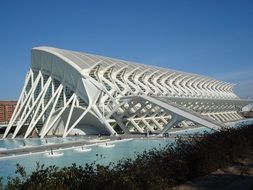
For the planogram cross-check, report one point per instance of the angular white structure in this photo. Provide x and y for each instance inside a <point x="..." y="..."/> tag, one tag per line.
<point x="67" y="92"/>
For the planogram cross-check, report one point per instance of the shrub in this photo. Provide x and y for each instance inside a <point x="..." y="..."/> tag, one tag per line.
<point x="155" y="169"/>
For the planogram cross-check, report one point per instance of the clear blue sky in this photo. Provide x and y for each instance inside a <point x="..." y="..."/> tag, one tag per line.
<point x="209" y="37"/>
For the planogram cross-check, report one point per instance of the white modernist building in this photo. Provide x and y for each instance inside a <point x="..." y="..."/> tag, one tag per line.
<point x="68" y="92"/>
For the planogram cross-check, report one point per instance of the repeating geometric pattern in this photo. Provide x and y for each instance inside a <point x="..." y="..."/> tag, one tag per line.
<point x="64" y="89"/>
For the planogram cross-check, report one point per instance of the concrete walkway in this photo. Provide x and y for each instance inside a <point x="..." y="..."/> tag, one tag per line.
<point x="236" y="177"/>
<point x="82" y="142"/>
<point x="47" y="147"/>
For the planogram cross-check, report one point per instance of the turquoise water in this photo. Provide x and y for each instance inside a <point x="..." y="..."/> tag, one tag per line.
<point x="101" y="155"/>
<point x="18" y="143"/>
<point x="127" y="149"/>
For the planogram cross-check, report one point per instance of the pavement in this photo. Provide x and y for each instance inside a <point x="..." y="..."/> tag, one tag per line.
<point x="83" y="141"/>
<point x="236" y="177"/>
<point x="48" y="147"/>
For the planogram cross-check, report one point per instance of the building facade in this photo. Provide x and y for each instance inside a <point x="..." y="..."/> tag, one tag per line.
<point x="68" y="92"/>
<point x="6" y="111"/>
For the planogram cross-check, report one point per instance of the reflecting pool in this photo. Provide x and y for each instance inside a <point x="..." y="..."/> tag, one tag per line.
<point x="101" y="155"/>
